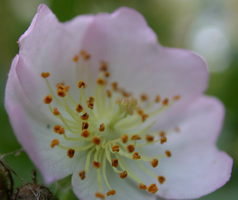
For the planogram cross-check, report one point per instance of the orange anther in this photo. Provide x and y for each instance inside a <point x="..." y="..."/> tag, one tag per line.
<point x="130" y="148"/>
<point x="154" y="163"/>
<point x="45" y="74"/>
<point x="123" y="174"/>
<point x="96" y="140"/>
<point x="124" y="138"/>
<point x="70" y="153"/>
<point x="153" y="188"/>
<point x="82" y="175"/>
<point x="111" y="192"/>
<point x="48" y="99"/>
<point x="54" y="143"/>
<point x="161" y="179"/>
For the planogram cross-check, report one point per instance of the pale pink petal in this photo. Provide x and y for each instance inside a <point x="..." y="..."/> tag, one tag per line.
<point x="137" y="61"/>
<point x="49" y="46"/>
<point x="196" y="167"/>
<point x="33" y="130"/>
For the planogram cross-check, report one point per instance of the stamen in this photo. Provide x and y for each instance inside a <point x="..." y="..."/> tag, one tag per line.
<point x="115" y="86"/>
<point x="168" y="153"/>
<point x="101" y="127"/>
<point x="82" y="175"/>
<point x="153" y="188"/>
<point x="85" y="116"/>
<point x="70" y="153"/>
<point x="136" y="156"/>
<point x="163" y="139"/>
<point x="101" y="81"/>
<point x="111" y="192"/>
<point x="96" y="140"/>
<point x="135" y="137"/>
<point x="123" y="174"/>
<point x="96" y="164"/>
<point x="116" y="148"/>
<point x="85" y="133"/>
<point x="54" y="143"/>
<point x="161" y="179"/>
<point x="103" y="66"/>
<point x="165" y="102"/>
<point x="142" y="186"/>
<point x="130" y="148"/>
<point x="48" y="99"/>
<point x="45" y="74"/>
<point x="107" y="74"/>
<point x="99" y="195"/>
<point x="85" y="125"/>
<point x="115" y="162"/>
<point x="86" y="56"/>
<point x="157" y="99"/>
<point x="154" y="163"/>
<point x="109" y="93"/>
<point x="75" y="58"/>
<point x="144" y="97"/>
<point x="149" y="138"/>
<point x="56" y="111"/>
<point x="124" y="139"/>
<point x="59" y="129"/>
<point x="79" y="108"/>
<point x="177" y="97"/>
<point x="82" y="84"/>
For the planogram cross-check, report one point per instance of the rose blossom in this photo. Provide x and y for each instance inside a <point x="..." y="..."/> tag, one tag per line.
<point x="97" y="97"/>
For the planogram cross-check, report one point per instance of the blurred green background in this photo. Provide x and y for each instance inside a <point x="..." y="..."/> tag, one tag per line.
<point x="209" y="27"/>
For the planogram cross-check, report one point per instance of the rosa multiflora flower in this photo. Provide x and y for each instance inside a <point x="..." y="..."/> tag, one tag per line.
<point x="99" y="99"/>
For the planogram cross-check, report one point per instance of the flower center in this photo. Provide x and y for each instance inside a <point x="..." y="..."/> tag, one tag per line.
<point x="108" y="125"/>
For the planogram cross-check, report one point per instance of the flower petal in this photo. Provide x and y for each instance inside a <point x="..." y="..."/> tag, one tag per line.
<point x="49" y="46"/>
<point x="196" y="167"/>
<point x="137" y="62"/>
<point x="125" y="189"/>
<point x="33" y="131"/>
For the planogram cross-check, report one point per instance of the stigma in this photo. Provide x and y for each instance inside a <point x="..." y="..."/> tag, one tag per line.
<point x="108" y="125"/>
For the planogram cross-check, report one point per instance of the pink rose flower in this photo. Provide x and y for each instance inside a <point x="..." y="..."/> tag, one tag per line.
<point x="100" y="99"/>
